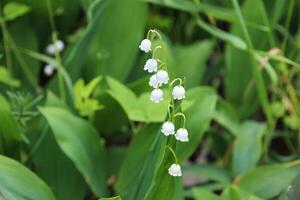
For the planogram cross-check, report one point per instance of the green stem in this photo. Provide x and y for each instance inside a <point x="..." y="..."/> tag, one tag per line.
<point x="174" y="154"/>
<point x="57" y="54"/>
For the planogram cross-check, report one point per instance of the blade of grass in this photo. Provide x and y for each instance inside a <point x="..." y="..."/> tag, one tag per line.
<point x="260" y="85"/>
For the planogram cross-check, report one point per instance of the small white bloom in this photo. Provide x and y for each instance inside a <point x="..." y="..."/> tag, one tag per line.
<point x="168" y="128"/>
<point x="175" y="170"/>
<point x="151" y="65"/>
<point x="157" y="95"/>
<point x="59" y="45"/>
<point x="182" y="135"/>
<point x="50" y="49"/>
<point x="153" y="81"/>
<point x="162" y="77"/>
<point x="178" y="92"/>
<point x="145" y="45"/>
<point x="49" y="70"/>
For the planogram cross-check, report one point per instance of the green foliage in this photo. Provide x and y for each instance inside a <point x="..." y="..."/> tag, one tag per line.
<point x="97" y="134"/>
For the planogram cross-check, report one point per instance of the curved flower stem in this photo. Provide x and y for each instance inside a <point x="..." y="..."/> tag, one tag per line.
<point x="156" y="33"/>
<point x="155" y="49"/>
<point x="170" y="112"/>
<point x="176" y="79"/>
<point x="183" y="117"/>
<point x="174" y="154"/>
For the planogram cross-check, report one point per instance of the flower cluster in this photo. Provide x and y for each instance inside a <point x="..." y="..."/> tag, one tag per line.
<point x="159" y="78"/>
<point x="53" y="49"/>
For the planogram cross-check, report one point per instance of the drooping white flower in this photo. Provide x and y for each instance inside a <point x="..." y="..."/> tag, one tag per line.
<point x="57" y="47"/>
<point x="153" y="81"/>
<point x="49" y="70"/>
<point x="151" y="65"/>
<point x="178" y="92"/>
<point x="168" y="128"/>
<point x="145" y="45"/>
<point x="50" y="49"/>
<point x="175" y="170"/>
<point x="157" y="95"/>
<point x="162" y="77"/>
<point x="182" y="135"/>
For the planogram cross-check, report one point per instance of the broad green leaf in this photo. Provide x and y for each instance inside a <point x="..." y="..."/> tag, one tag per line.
<point x="142" y="161"/>
<point x="19" y="183"/>
<point x="240" y="84"/>
<point x="198" y="117"/>
<point x="202" y="194"/>
<point x="248" y="146"/>
<point x="227" y="116"/>
<point x="10" y="134"/>
<point x="137" y="108"/>
<point x="118" y="35"/>
<point x="12" y="10"/>
<point x="236" y="193"/>
<point x="5" y="78"/>
<point x="112" y="198"/>
<point x="190" y="62"/>
<point x="232" y="39"/>
<point x="267" y="181"/>
<point x="210" y="172"/>
<point x="81" y="143"/>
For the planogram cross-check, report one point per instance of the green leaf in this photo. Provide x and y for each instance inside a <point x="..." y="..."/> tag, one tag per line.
<point x="19" y="183"/>
<point x="248" y="146"/>
<point x="137" y="109"/>
<point x="236" y="193"/>
<point x="81" y="143"/>
<point x="227" y="116"/>
<point x="210" y="172"/>
<point x="202" y="194"/>
<point x="112" y="198"/>
<point x="10" y="135"/>
<point x="6" y="78"/>
<point x="12" y="10"/>
<point x="198" y="114"/>
<point x="190" y="62"/>
<point x="143" y="158"/>
<point x="267" y="181"/>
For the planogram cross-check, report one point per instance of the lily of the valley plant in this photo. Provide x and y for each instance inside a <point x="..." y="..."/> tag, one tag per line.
<point x="159" y="78"/>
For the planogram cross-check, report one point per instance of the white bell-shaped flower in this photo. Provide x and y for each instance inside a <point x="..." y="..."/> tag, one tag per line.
<point x="49" y="70"/>
<point x="50" y="49"/>
<point x="178" y="92"/>
<point x="145" y="45"/>
<point x="153" y="81"/>
<point x="151" y="65"/>
<point x="168" y="128"/>
<point x="157" y="95"/>
<point x="175" y="170"/>
<point x="182" y="135"/>
<point x="162" y="77"/>
<point x="59" y="45"/>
